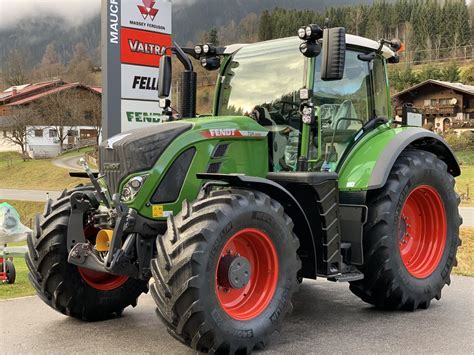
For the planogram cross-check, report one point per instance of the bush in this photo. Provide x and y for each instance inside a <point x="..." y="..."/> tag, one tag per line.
<point x="467" y="75"/>
<point x="458" y="142"/>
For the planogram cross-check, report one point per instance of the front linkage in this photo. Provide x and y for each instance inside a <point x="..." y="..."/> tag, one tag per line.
<point x="126" y="249"/>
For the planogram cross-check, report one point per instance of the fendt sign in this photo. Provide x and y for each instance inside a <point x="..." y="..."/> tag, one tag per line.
<point x="135" y="34"/>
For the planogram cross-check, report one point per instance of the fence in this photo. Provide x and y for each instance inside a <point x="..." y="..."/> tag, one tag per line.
<point x="437" y="55"/>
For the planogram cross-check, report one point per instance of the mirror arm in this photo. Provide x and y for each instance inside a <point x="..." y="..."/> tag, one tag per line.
<point x="183" y="58"/>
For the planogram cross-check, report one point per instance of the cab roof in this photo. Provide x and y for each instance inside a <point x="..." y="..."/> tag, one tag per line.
<point x="351" y="40"/>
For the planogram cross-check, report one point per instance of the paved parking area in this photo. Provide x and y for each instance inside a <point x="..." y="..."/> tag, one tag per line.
<point x="327" y="319"/>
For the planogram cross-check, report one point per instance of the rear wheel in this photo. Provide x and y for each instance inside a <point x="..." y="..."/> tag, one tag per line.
<point x="226" y="271"/>
<point x="412" y="235"/>
<point x="74" y="291"/>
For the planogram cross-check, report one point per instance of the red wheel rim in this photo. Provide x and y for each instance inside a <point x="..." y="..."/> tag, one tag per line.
<point x="101" y="281"/>
<point x="422" y="231"/>
<point x="252" y="299"/>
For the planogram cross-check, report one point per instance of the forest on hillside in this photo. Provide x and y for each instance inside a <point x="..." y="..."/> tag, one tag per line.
<point x="432" y="31"/>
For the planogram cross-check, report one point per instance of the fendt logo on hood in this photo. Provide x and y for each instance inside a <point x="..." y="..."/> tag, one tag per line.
<point x="147" y="9"/>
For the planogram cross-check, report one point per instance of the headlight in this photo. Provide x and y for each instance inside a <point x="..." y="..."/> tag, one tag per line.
<point x="132" y="187"/>
<point x="198" y="50"/>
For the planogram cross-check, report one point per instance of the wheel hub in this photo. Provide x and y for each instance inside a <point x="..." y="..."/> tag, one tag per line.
<point x="246" y="274"/>
<point x="234" y="271"/>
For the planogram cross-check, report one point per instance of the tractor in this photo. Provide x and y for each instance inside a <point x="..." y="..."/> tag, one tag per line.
<point x="298" y="173"/>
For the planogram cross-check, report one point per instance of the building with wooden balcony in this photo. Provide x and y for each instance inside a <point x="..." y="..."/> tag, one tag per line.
<point x="445" y="105"/>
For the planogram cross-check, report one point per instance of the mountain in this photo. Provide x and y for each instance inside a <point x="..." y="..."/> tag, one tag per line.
<point x="189" y="18"/>
<point x="202" y="15"/>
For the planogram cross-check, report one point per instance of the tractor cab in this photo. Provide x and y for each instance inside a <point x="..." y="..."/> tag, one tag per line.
<point x="264" y="80"/>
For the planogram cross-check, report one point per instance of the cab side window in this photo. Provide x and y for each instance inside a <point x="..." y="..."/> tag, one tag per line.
<point x="347" y="99"/>
<point x="380" y="89"/>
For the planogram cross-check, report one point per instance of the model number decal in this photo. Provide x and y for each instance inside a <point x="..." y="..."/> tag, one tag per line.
<point x="232" y="132"/>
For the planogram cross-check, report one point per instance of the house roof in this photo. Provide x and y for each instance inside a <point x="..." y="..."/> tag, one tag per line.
<point x="24" y="90"/>
<point x="467" y="89"/>
<point x="32" y="95"/>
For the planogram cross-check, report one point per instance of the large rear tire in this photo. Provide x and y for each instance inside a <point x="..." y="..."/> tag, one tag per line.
<point x="412" y="235"/>
<point x="226" y="271"/>
<point x="82" y="294"/>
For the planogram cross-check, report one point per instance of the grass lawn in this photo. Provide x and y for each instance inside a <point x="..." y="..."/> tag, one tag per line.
<point x="466" y="253"/>
<point x="78" y="152"/>
<point x="33" y="174"/>
<point x="22" y="286"/>
<point x="465" y="182"/>
<point x="27" y="210"/>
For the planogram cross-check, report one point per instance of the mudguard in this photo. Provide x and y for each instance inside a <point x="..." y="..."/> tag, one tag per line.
<point x="292" y="207"/>
<point x="368" y="164"/>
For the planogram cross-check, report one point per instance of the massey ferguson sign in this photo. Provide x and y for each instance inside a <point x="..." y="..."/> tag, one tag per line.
<point x="137" y="34"/>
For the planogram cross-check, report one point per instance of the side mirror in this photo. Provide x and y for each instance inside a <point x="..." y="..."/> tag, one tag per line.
<point x="334" y="54"/>
<point x="164" y="82"/>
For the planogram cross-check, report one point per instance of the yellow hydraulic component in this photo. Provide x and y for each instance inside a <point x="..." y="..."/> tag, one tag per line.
<point x="103" y="239"/>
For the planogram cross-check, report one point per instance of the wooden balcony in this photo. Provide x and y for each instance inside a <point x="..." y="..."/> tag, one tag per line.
<point x="438" y="110"/>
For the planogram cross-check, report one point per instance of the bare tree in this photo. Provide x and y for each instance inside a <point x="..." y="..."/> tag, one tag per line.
<point x="58" y="110"/>
<point x="50" y="65"/>
<point x="18" y="126"/>
<point x="81" y="68"/>
<point x="15" y="68"/>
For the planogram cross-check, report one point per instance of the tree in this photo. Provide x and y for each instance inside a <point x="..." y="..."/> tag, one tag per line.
<point x="80" y="67"/>
<point x="467" y="75"/>
<point x="61" y="111"/>
<point x="15" y="68"/>
<point x="50" y="65"/>
<point x="18" y="126"/>
<point x="450" y="73"/>
<point x="265" y="27"/>
<point x="212" y="37"/>
<point x="429" y="72"/>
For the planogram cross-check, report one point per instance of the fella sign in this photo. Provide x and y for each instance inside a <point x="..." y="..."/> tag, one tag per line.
<point x="135" y="35"/>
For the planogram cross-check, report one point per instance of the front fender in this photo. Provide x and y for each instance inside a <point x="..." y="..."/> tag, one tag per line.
<point x="369" y="162"/>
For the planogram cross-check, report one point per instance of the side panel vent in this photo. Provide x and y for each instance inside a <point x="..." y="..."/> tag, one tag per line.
<point x="220" y="151"/>
<point x="214" y="168"/>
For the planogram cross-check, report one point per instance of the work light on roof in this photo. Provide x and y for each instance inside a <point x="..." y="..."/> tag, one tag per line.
<point x="198" y="49"/>
<point x="310" y="33"/>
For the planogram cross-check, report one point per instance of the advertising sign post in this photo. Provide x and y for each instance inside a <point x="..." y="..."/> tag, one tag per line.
<point x="135" y="34"/>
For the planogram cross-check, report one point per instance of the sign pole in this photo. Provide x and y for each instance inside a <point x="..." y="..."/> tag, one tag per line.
<point x="135" y="34"/>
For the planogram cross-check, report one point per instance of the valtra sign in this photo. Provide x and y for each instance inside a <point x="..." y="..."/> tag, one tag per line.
<point x="137" y="34"/>
<point x="143" y="47"/>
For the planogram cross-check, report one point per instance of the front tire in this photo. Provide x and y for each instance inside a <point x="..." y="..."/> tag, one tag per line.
<point x="226" y="271"/>
<point x="75" y="292"/>
<point x="412" y="235"/>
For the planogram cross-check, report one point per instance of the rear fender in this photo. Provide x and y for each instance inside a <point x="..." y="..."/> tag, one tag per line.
<point x="370" y="161"/>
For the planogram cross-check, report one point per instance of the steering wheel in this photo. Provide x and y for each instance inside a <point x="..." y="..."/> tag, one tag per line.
<point x="293" y="110"/>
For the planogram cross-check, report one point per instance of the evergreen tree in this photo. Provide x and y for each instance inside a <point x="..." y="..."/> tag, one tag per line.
<point x="213" y="37"/>
<point x="450" y="73"/>
<point x="265" y="27"/>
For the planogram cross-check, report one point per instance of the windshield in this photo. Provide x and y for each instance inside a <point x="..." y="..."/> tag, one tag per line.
<point x="267" y="74"/>
<point x="263" y="81"/>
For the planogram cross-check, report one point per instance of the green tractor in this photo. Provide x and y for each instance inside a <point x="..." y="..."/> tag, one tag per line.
<point x="298" y="173"/>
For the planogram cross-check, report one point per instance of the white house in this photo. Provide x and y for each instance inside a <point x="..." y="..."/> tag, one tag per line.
<point x="43" y="141"/>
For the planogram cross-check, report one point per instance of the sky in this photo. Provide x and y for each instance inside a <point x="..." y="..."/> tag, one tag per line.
<point x="74" y="11"/>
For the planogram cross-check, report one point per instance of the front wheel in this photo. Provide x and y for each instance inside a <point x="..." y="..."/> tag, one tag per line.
<point x="225" y="271"/>
<point x="71" y="290"/>
<point x="412" y="235"/>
